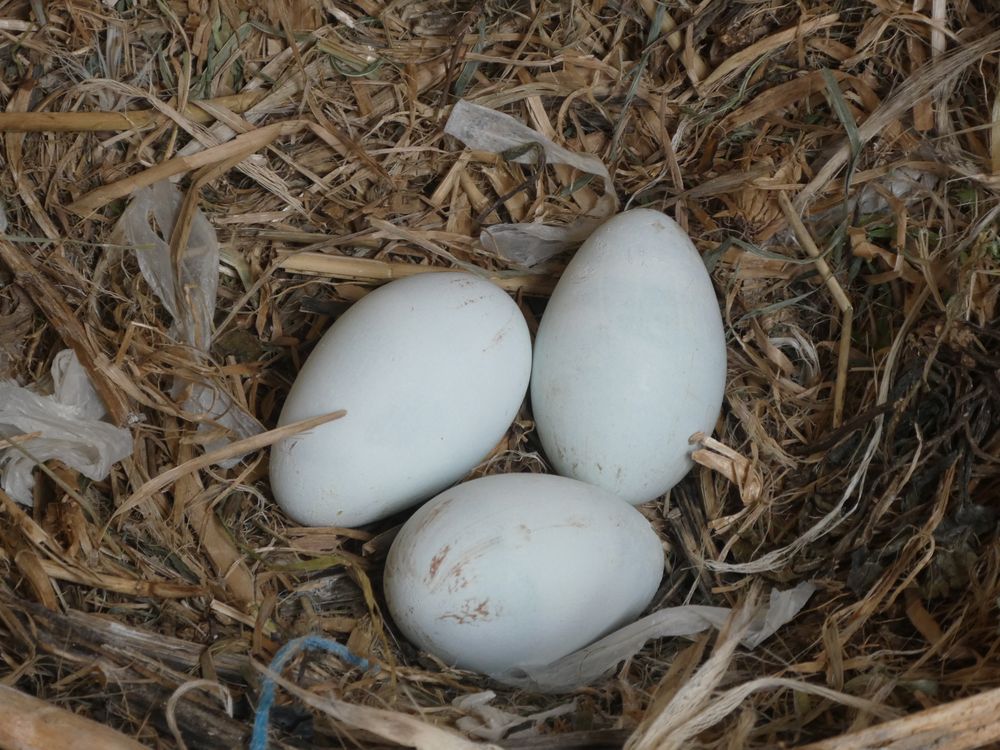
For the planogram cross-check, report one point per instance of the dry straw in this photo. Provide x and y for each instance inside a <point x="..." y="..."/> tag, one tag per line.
<point x="836" y="163"/>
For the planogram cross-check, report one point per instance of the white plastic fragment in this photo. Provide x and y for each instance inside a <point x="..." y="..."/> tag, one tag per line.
<point x="905" y="184"/>
<point x="188" y="293"/>
<point x="71" y="386"/>
<point x="590" y="663"/>
<point x="902" y="183"/>
<point x="70" y="427"/>
<point x="528" y="244"/>
<point x="531" y="244"/>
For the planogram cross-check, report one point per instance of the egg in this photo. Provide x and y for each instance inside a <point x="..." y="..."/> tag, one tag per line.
<point x="629" y="358"/>
<point x="517" y="570"/>
<point x="431" y="370"/>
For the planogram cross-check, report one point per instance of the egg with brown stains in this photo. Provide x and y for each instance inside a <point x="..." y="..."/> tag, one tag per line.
<point x="518" y="570"/>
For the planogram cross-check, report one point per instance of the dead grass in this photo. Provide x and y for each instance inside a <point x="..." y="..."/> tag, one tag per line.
<point x="858" y="447"/>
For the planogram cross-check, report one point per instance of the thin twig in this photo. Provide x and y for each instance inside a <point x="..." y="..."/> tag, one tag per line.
<point x="82" y="122"/>
<point x="366" y="269"/>
<point x="29" y="723"/>
<point x="839" y="296"/>
<point x="960" y="725"/>
<point x="15" y="439"/>
<point x="232" y="450"/>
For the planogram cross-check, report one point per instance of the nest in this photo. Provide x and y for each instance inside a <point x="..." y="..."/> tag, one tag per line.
<point x="838" y="167"/>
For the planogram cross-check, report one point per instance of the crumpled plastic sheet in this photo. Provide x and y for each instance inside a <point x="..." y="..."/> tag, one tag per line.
<point x="71" y="427"/>
<point x="188" y="295"/>
<point x="589" y="664"/>
<point x="69" y="422"/>
<point x="528" y="244"/>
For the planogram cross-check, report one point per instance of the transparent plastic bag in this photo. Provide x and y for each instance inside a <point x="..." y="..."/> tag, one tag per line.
<point x="70" y="427"/>
<point x="528" y="244"/>
<point x="188" y="295"/>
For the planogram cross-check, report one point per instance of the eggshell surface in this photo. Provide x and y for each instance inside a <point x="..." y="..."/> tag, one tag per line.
<point x="431" y="370"/>
<point x="629" y="358"/>
<point x="517" y="570"/>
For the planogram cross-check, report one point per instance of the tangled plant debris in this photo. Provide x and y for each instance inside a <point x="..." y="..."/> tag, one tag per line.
<point x="311" y="139"/>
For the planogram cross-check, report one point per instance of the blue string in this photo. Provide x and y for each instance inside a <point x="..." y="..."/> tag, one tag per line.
<point x="262" y="721"/>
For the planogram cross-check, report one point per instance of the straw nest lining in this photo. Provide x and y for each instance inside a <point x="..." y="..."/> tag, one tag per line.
<point x="866" y="461"/>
